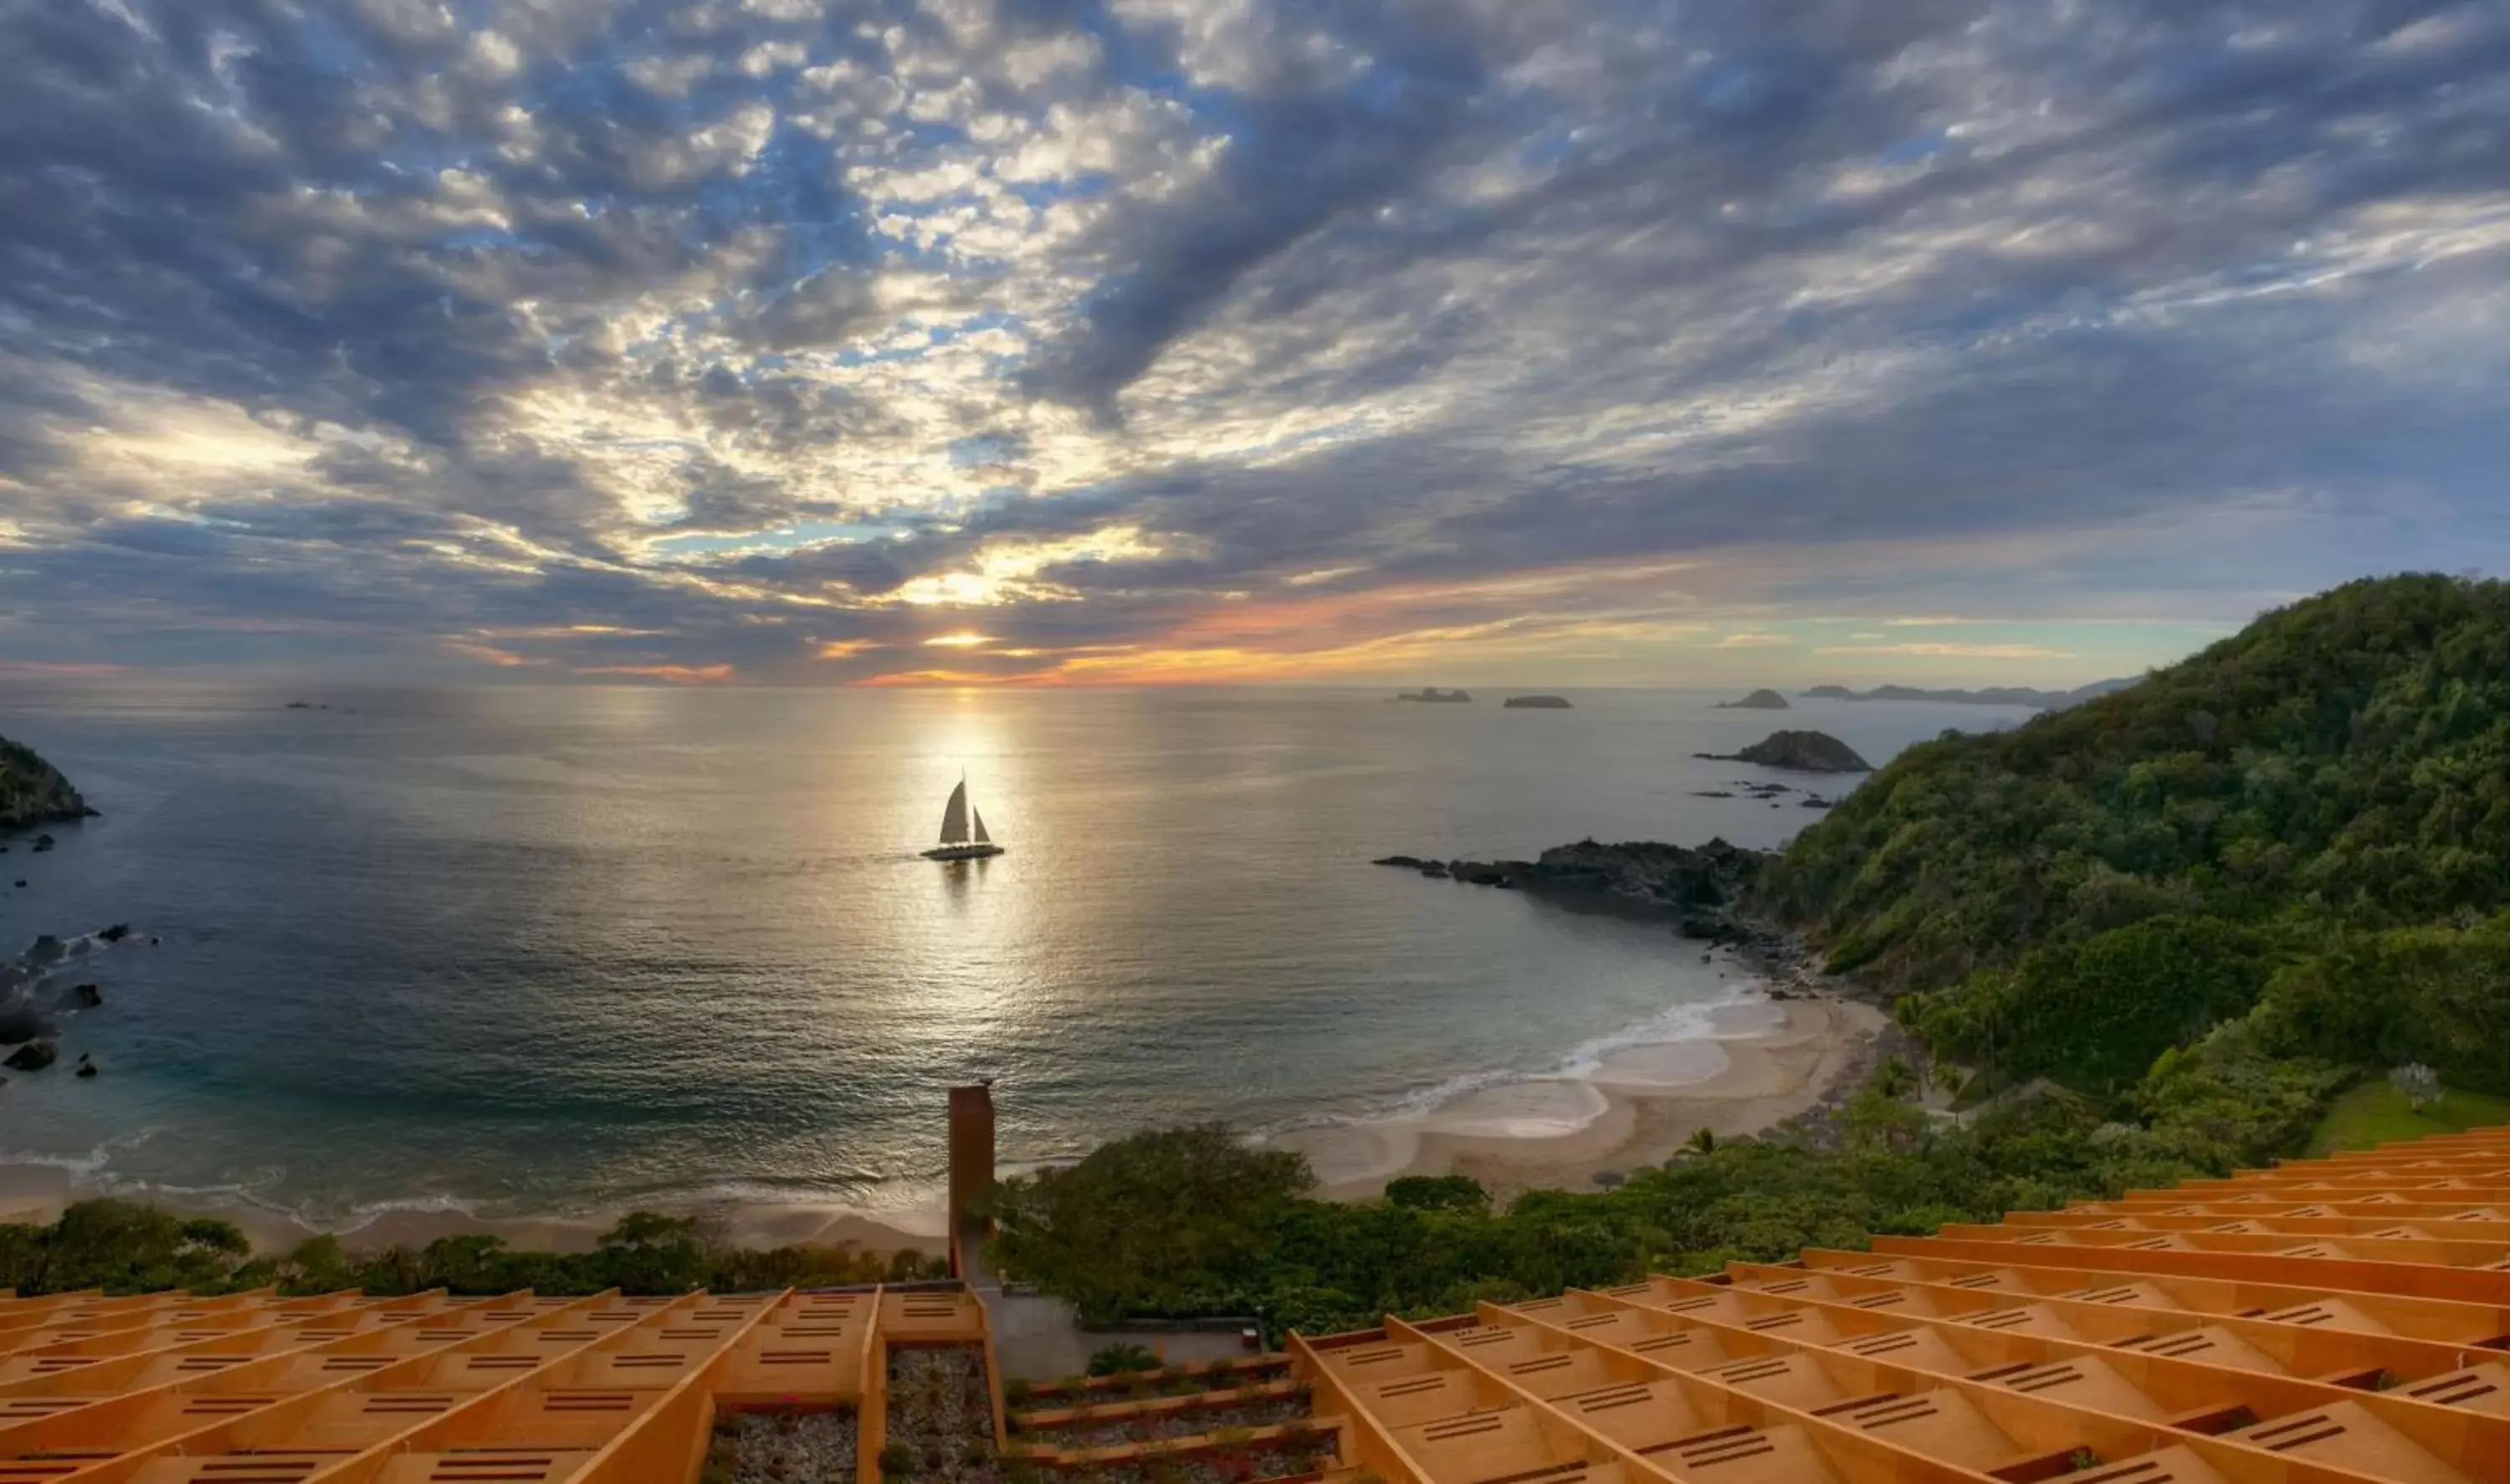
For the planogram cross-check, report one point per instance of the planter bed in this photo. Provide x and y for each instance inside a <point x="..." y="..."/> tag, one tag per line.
<point x="1274" y="1458"/>
<point x="782" y="1448"/>
<point x="1166" y="1418"/>
<point x="1174" y="1381"/>
<point x="940" y="1416"/>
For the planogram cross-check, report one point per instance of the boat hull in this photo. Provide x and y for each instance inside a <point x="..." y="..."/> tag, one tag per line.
<point x="963" y="852"/>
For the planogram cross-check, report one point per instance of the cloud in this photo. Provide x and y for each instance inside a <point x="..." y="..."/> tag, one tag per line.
<point x="1754" y="640"/>
<point x="677" y="339"/>
<point x="1954" y="651"/>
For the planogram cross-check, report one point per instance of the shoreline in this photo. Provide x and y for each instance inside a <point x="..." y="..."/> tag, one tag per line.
<point x="1761" y="1062"/>
<point x="38" y="1193"/>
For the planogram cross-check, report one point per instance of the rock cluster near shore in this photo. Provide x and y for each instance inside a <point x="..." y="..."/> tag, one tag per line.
<point x="1797" y="752"/>
<point x="1703" y="893"/>
<point x="1699" y="890"/>
<point x="35" y="1008"/>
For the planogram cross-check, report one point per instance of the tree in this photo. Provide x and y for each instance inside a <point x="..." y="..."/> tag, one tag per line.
<point x="1149" y="1223"/>
<point x="1438" y="1193"/>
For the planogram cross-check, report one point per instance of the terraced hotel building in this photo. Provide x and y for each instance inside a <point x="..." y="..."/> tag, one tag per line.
<point x="2330" y="1321"/>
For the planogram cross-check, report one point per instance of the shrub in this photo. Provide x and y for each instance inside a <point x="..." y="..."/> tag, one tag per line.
<point x="1123" y="1359"/>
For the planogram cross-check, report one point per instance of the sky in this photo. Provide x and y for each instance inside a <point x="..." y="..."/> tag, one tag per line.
<point x="1054" y="342"/>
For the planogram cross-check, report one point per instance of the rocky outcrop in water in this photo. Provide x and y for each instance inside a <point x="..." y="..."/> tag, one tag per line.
<point x="1797" y="752"/>
<point x="1758" y="700"/>
<point x="1697" y="890"/>
<point x="1434" y="694"/>
<point x="35" y="793"/>
<point x="1535" y="704"/>
<point x="33" y="1056"/>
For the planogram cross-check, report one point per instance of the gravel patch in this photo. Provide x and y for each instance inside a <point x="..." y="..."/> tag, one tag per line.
<point x="941" y="1416"/>
<point x="782" y="1448"/>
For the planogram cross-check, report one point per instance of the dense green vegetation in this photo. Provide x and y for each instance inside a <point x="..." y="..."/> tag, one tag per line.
<point x="123" y="1247"/>
<point x="2309" y="822"/>
<point x="2199" y="908"/>
<point x="1191" y="1221"/>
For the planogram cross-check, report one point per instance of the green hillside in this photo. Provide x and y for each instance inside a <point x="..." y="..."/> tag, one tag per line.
<point x="2307" y="824"/>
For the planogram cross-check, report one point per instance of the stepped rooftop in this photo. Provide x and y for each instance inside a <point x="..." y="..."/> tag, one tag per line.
<point x="2327" y="1322"/>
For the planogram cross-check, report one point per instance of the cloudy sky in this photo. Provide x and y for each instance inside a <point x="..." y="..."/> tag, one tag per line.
<point x="1109" y="341"/>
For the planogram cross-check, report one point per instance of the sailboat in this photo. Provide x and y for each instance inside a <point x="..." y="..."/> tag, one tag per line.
<point x="958" y="841"/>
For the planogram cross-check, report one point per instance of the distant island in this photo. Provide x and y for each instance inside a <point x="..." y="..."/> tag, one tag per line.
<point x="1758" y="700"/>
<point x="1797" y="752"/>
<point x="1432" y="693"/>
<point x="1535" y="704"/>
<point x="35" y="793"/>
<point x="2003" y="695"/>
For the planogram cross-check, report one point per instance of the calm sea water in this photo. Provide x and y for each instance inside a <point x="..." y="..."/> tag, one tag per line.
<point x="542" y="950"/>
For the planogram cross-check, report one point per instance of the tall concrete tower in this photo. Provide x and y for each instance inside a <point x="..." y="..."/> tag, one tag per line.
<point x="972" y="1171"/>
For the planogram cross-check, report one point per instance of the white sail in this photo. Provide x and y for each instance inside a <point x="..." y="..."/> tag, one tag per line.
<point x="954" y="819"/>
<point x="981" y="837"/>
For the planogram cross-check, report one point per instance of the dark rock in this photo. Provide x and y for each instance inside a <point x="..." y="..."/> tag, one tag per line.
<point x="1467" y="870"/>
<point x="1610" y="1178"/>
<point x="1797" y="752"/>
<point x="33" y="1056"/>
<point x="86" y="1066"/>
<point x="1813" y="801"/>
<point x="115" y="933"/>
<point x="44" y="843"/>
<point x="1409" y="863"/>
<point x="1434" y="694"/>
<point x="1696" y="889"/>
<point x="47" y="948"/>
<point x="1758" y="700"/>
<point x="1435" y="872"/>
<point x="21" y="1023"/>
<point x="1712" y="793"/>
<point x="86" y="996"/>
<point x="22" y="882"/>
<point x="1487" y="879"/>
<point x="1535" y="704"/>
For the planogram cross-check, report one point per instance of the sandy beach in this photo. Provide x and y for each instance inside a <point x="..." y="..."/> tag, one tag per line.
<point x="1761" y="1063"/>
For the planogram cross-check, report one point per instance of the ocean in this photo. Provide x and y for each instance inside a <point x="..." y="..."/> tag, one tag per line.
<point x="537" y="951"/>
